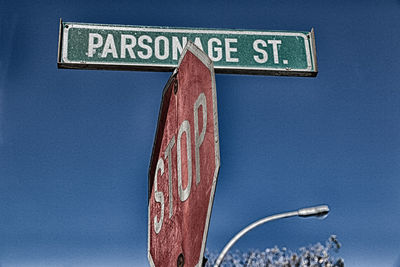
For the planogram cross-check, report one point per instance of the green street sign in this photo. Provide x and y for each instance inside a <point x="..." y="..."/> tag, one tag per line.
<point x="119" y="47"/>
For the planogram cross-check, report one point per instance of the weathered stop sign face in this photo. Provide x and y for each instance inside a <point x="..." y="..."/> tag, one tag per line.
<point x="184" y="164"/>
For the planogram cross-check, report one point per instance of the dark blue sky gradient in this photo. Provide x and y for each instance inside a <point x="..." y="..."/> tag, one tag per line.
<point x="75" y="145"/>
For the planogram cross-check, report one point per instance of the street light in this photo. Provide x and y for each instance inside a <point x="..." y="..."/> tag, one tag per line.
<point x="318" y="211"/>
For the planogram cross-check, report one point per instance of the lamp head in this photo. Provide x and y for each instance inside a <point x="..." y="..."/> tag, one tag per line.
<point x="317" y="211"/>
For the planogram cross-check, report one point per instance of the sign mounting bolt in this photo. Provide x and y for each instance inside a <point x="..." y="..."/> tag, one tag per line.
<point x="181" y="261"/>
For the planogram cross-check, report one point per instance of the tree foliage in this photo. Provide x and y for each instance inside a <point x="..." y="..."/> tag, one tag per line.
<point x="317" y="255"/>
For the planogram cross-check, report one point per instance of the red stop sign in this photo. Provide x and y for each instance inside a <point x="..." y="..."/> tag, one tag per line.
<point x="184" y="164"/>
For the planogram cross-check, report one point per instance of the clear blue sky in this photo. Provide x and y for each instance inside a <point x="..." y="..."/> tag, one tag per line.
<point x="75" y="145"/>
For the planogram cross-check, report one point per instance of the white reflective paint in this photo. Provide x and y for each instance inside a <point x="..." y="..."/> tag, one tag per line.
<point x="143" y="42"/>
<point x="127" y="46"/>
<point x="215" y="49"/>
<point x="199" y="138"/>
<point x="184" y="128"/>
<point x="159" y="197"/>
<point x="256" y="47"/>
<point x="93" y="45"/>
<point x="177" y="46"/>
<point x="275" y="49"/>
<point x="169" y="156"/>
<point x="109" y="47"/>
<point x="157" y="45"/>
<point x="229" y="50"/>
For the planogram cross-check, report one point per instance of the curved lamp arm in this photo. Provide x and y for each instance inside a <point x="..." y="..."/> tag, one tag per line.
<point x="317" y="211"/>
